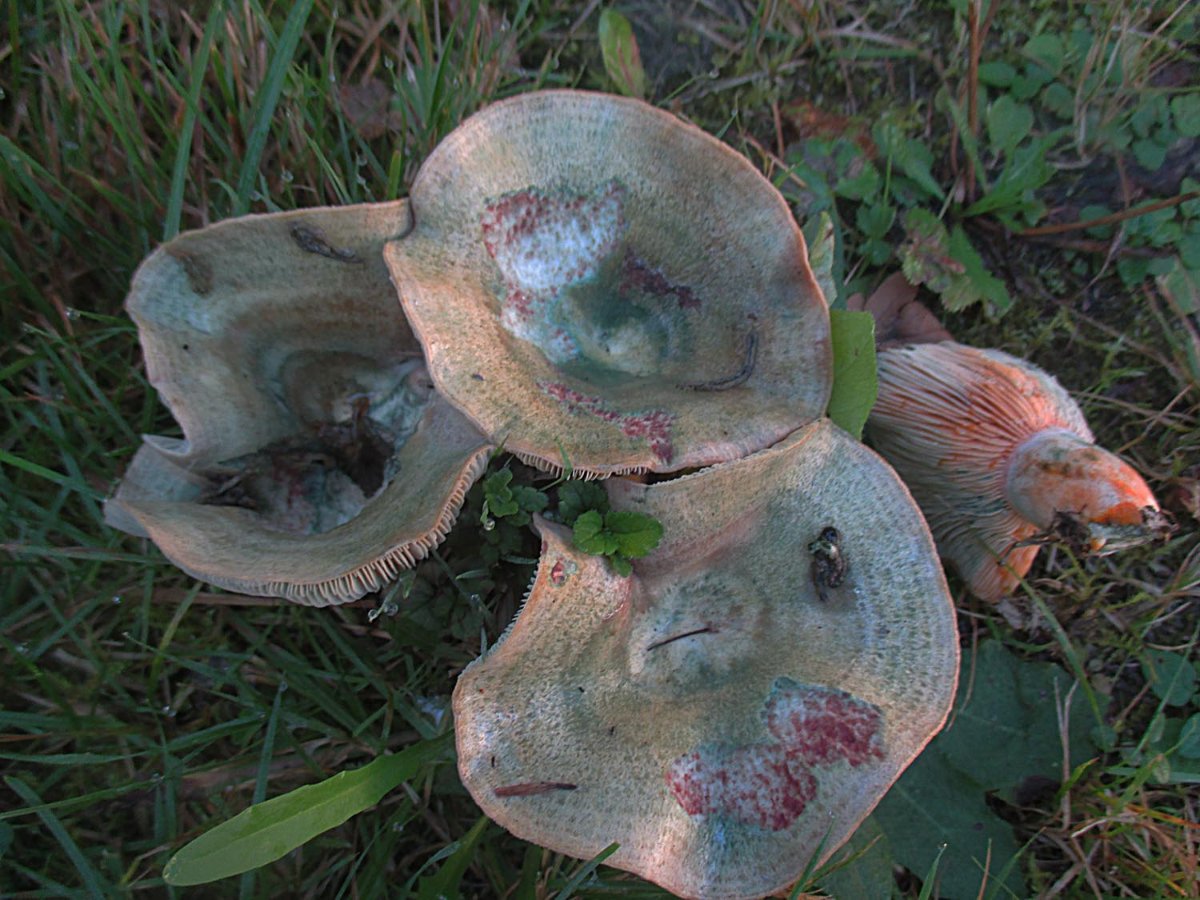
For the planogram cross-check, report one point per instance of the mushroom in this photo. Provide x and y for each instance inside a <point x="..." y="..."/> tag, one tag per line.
<point x="731" y="711"/>
<point x="592" y="278"/>
<point x="316" y="459"/>
<point x="1001" y="460"/>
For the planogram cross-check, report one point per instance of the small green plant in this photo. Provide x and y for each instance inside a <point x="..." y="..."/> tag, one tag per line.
<point x="620" y="535"/>
<point x="507" y="509"/>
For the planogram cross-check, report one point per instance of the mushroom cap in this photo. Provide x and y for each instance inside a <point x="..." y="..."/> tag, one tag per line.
<point x="590" y="276"/>
<point x="269" y="338"/>
<point x="994" y="449"/>
<point x="711" y="713"/>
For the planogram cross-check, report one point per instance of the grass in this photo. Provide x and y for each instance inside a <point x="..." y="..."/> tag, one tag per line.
<point x="138" y="708"/>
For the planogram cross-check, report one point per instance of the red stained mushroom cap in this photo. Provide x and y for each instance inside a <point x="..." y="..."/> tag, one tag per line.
<point x="590" y="275"/>
<point x="730" y="711"/>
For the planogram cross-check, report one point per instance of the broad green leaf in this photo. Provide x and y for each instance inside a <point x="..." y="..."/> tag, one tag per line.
<point x="1189" y="738"/>
<point x="996" y="74"/>
<point x="1060" y="100"/>
<point x="575" y="497"/>
<point x="621" y="565"/>
<point x="1172" y="677"/>
<point x="498" y="496"/>
<point x="874" y="220"/>
<point x="590" y="535"/>
<point x="636" y="533"/>
<point x="1008" y="123"/>
<point x="1010" y="703"/>
<point x="265" y="832"/>
<point x="619" y="50"/>
<point x="855" y="383"/>
<point x="934" y="805"/>
<point x="1150" y="153"/>
<point x="867" y="868"/>
<point x="976" y="283"/>
<point x="1186" y="111"/>
<point x="529" y="499"/>
<point x="1047" y="50"/>
<point x="912" y="157"/>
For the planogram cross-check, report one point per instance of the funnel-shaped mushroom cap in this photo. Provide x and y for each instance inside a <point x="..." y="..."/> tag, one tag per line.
<point x="734" y="708"/>
<point x="316" y="461"/>
<point x="999" y="457"/>
<point x="590" y="275"/>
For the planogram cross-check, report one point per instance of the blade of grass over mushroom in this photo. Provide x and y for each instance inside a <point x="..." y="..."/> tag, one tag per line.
<point x="855" y="383"/>
<point x="268" y="830"/>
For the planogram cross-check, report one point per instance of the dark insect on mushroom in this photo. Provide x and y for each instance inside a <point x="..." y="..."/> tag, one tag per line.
<point x="829" y="564"/>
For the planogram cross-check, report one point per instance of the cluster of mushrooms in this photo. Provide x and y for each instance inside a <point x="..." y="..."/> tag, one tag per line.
<point x="585" y="277"/>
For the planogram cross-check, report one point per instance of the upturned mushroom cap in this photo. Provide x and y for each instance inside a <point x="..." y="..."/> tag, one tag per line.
<point x="277" y="343"/>
<point x="591" y="276"/>
<point x="1000" y="459"/>
<point x="711" y="713"/>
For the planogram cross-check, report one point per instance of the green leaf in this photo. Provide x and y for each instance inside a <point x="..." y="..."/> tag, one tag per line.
<point x="1150" y="153"/>
<point x="875" y="219"/>
<point x="1011" y="703"/>
<point x="855" y="382"/>
<point x="265" y="832"/>
<point x="934" y="805"/>
<point x="1185" y="109"/>
<point x="868" y="871"/>
<point x="821" y="239"/>
<point x="861" y="186"/>
<point x="498" y="496"/>
<point x="1008" y="123"/>
<point x="619" y="49"/>
<point x="621" y="565"/>
<point x="977" y="282"/>
<point x="636" y="533"/>
<point x="912" y="157"/>
<point x="996" y="74"/>
<point x="590" y="535"/>
<point x="949" y="265"/>
<point x="1172" y="676"/>
<point x="1189" y="738"/>
<point x="1058" y="99"/>
<point x="530" y="499"/>
<point x="1047" y="50"/>
<point x="575" y="497"/>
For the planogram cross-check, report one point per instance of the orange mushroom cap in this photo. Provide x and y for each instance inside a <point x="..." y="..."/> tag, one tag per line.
<point x="591" y="276"/>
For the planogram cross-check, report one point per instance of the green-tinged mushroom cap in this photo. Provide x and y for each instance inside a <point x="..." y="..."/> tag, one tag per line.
<point x="732" y="710"/>
<point x="591" y="276"/>
<point x="316" y="459"/>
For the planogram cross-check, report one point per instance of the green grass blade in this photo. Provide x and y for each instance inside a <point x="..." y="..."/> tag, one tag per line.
<point x="264" y="833"/>
<point x="585" y="871"/>
<point x="91" y="878"/>
<point x="266" y="101"/>
<point x="183" y="151"/>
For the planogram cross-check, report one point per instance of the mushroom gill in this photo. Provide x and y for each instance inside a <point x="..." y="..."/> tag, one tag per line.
<point x="729" y="712"/>
<point x="316" y="459"/>
<point x="592" y="277"/>
<point x="1000" y="459"/>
